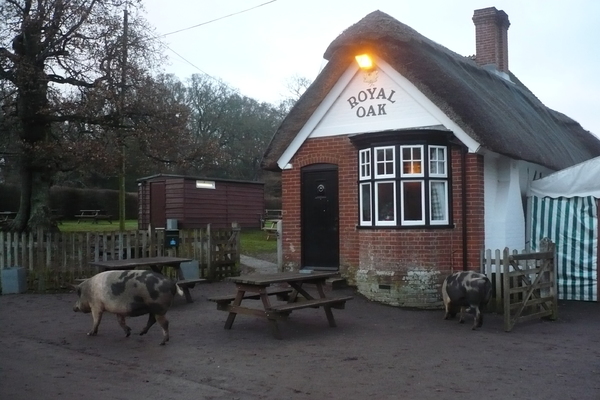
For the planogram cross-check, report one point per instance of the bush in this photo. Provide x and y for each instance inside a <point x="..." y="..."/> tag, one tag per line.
<point x="68" y="201"/>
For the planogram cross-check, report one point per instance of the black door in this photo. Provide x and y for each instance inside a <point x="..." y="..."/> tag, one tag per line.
<point x="320" y="237"/>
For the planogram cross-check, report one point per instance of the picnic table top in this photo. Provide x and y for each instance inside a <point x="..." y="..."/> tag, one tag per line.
<point x="137" y="262"/>
<point x="267" y="279"/>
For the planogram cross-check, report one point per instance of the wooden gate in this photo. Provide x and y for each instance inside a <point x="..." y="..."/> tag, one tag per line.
<point x="524" y="285"/>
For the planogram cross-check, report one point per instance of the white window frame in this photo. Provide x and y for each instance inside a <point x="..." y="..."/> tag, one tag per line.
<point x="403" y="221"/>
<point x="445" y="161"/>
<point x="360" y="187"/>
<point x="391" y="222"/>
<point x="445" y="204"/>
<point x="422" y="160"/>
<point x="364" y="160"/>
<point x="385" y="161"/>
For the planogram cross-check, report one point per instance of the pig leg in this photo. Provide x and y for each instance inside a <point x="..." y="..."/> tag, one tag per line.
<point x="151" y="321"/>
<point x="97" y="317"/>
<point x="461" y="318"/>
<point x="164" y="324"/>
<point x="478" y="319"/>
<point x="121" y="319"/>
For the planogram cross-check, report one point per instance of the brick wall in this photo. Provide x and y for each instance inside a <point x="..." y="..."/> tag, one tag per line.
<point x="396" y="266"/>
<point x="331" y="150"/>
<point x="491" y="37"/>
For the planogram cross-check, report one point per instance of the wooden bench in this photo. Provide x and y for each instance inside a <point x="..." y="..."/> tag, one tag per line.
<point x="281" y="293"/>
<point x="93" y="215"/>
<point x="281" y="311"/>
<point x="333" y="302"/>
<point x="270" y="227"/>
<point x="186" y="284"/>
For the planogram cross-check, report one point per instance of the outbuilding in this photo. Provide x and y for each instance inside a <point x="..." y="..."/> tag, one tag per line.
<point x="195" y="202"/>
<point x="399" y="172"/>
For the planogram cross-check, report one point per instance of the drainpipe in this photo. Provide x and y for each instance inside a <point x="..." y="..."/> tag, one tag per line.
<point x="463" y="166"/>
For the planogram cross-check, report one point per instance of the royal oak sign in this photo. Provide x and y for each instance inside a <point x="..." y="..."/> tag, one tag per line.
<point x="371" y="94"/>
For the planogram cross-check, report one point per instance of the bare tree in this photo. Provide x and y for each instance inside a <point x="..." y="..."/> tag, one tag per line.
<point x="230" y="131"/>
<point x="296" y="86"/>
<point x="76" y="100"/>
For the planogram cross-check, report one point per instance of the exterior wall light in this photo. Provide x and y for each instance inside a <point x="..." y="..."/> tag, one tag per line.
<point x="364" y="61"/>
<point x="205" y="184"/>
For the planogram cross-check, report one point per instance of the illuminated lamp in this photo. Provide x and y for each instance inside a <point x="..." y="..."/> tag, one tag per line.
<point x="364" y="61"/>
<point x="205" y="184"/>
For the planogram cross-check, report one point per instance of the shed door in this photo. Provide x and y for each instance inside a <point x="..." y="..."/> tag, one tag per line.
<point x="158" y="205"/>
<point x="320" y="237"/>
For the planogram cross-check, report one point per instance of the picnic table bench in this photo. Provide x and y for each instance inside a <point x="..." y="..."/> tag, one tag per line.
<point x="257" y="286"/>
<point x="281" y="293"/>
<point x="93" y="215"/>
<point x="270" y="227"/>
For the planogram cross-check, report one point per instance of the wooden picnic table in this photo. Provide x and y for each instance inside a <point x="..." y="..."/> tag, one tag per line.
<point x="94" y="215"/>
<point x="156" y="264"/>
<point x="260" y="286"/>
<point x="6" y="216"/>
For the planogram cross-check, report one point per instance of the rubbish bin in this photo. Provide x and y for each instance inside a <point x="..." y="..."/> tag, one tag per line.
<point x="13" y="280"/>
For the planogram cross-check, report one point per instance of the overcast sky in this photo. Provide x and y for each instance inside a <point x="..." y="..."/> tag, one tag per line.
<point x="553" y="45"/>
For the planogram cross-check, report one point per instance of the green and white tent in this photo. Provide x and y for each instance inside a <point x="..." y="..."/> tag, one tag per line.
<point x="564" y="208"/>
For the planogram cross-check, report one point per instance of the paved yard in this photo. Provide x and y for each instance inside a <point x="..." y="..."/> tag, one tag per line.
<point x="376" y="352"/>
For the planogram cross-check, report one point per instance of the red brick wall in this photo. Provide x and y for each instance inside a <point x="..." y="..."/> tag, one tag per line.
<point x="331" y="150"/>
<point x="389" y="250"/>
<point x="491" y="37"/>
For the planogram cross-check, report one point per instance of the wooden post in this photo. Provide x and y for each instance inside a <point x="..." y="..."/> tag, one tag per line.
<point x="209" y="253"/>
<point x="498" y="282"/>
<point x="506" y="294"/>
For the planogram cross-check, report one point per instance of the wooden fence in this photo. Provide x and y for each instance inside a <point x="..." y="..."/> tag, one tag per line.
<point x="524" y="285"/>
<point x="54" y="260"/>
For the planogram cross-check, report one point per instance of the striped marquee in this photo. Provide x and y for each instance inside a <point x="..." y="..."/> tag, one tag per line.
<point x="572" y="224"/>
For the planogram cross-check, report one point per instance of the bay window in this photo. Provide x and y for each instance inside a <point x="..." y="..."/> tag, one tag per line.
<point x="404" y="185"/>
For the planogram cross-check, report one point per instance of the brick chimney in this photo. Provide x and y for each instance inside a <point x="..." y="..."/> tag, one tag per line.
<point x="491" y="38"/>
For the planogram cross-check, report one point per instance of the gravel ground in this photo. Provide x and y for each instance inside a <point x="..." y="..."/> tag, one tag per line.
<point x="376" y="351"/>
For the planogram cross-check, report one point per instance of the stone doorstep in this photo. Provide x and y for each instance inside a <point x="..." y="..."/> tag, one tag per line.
<point x="336" y="282"/>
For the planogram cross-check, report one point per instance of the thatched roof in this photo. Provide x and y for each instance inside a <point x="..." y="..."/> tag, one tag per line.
<point x="504" y="117"/>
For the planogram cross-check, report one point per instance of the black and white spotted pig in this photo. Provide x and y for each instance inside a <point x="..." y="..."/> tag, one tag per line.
<point x="466" y="289"/>
<point x="128" y="294"/>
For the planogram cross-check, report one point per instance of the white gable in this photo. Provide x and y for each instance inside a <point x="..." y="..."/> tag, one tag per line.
<point x="373" y="102"/>
<point x="362" y="102"/>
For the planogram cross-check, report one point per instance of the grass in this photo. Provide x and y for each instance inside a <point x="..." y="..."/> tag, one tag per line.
<point x="101" y="226"/>
<point x="254" y="241"/>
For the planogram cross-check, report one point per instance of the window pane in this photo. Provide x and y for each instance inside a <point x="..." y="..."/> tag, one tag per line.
<point x="439" y="202"/>
<point x="365" y="164"/>
<point x="365" y="203"/>
<point x="386" y="209"/>
<point x="384" y="159"/>
<point x="437" y="161"/>
<point x="412" y="160"/>
<point x="412" y="201"/>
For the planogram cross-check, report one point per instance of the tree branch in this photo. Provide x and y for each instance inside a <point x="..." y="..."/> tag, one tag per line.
<point x="72" y="81"/>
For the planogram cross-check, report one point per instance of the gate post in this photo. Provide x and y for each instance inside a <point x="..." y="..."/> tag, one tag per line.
<point x="506" y="289"/>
